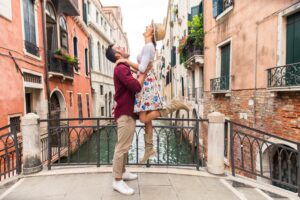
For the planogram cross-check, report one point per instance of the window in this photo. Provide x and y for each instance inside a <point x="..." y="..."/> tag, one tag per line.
<point x="63" y="33"/>
<point x="97" y="17"/>
<point x="29" y="27"/>
<point x="28" y="100"/>
<point x="15" y="123"/>
<point x="219" y="6"/>
<point x="84" y="11"/>
<point x="169" y="77"/>
<point x="101" y="20"/>
<point x="225" y="66"/>
<point x="51" y="28"/>
<point x="101" y="89"/>
<point x="182" y="86"/>
<point x="88" y="105"/>
<point x="102" y="111"/>
<point x="103" y="60"/>
<point x="75" y="49"/>
<point x="88" y="7"/>
<point x="71" y="98"/>
<point x="99" y="55"/>
<point x="79" y="102"/>
<point x="5" y="9"/>
<point x="173" y="56"/>
<point x="86" y="59"/>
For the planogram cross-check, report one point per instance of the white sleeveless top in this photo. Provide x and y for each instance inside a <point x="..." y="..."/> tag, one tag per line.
<point x="146" y="56"/>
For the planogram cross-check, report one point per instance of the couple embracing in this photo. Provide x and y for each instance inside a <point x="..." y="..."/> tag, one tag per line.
<point x="136" y="98"/>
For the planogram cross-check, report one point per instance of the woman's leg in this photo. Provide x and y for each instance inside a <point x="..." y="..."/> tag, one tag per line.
<point x="147" y="117"/>
<point x="148" y="138"/>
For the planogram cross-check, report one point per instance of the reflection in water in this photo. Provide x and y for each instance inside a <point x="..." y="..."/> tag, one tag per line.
<point x="169" y="143"/>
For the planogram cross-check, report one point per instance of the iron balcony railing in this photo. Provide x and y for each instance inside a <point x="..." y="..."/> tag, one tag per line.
<point x="32" y="48"/>
<point x="194" y="50"/>
<point x="254" y="153"/>
<point x="93" y="143"/>
<point x="68" y="7"/>
<point x="220" y="84"/>
<point x="284" y="76"/>
<point x="194" y="94"/>
<point x="58" y="65"/>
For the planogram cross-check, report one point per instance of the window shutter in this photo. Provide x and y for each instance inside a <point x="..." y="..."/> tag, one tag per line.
<point x="217" y="7"/>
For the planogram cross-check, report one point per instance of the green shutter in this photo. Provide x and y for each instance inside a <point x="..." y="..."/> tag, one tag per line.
<point x="293" y="50"/>
<point x="225" y="65"/>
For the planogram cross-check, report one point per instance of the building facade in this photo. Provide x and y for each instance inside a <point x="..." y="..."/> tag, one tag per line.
<point x="181" y="59"/>
<point x="45" y="51"/>
<point x="251" y="71"/>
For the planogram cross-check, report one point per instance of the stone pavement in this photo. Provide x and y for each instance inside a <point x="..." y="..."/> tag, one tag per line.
<point x="152" y="184"/>
<point x="98" y="186"/>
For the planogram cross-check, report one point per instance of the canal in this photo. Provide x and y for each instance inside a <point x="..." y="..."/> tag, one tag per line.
<point x="169" y="141"/>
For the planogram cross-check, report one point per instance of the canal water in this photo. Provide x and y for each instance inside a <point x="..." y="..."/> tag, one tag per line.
<point x="171" y="146"/>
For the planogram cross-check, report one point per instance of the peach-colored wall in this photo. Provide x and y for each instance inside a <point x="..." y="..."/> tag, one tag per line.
<point x="11" y="81"/>
<point x="252" y="25"/>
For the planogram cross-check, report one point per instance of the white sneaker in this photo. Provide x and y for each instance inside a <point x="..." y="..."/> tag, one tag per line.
<point x="122" y="187"/>
<point x="127" y="176"/>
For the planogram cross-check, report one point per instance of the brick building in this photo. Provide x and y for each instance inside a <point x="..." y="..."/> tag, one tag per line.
<point x="252" y="70"/>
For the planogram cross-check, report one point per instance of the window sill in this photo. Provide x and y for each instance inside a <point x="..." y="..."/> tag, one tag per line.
<point x="38" y="58"/>
<point x="225" y="12"/>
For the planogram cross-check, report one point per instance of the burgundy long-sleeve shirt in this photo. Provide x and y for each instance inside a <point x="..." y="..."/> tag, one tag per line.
<point x="125" y="89"/>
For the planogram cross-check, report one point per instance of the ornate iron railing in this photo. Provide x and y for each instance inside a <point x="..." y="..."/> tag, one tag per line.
<point x="32" y="48"/>
<point x="10" y="152"/>
<point x="59" y="65"/>
<point x="284" y="76"/>
<point x="194" y="50"/>
<point x="220" y="84"/>
<point x="93" y="143"/>
<point x="259" y="154"/>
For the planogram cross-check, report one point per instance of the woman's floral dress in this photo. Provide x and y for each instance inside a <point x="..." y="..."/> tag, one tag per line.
<point x="149" y="98"/>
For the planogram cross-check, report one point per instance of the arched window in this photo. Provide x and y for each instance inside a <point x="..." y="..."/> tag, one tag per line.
<point x="99" y="55"/>
<point x="63" y="33"/>
<point x="75" y="49"/>
<point x="103" y="61"/>
<point x="86" y="59"/>
<point x="51" y="28"/>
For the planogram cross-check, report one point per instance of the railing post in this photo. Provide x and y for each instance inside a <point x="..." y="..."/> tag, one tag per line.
<point x="98" y="143"/>
<point x="215" y="153"/>
<point x="31" y="144"/>
<point x="16" y="144"/>
<point x="298" y="182"/>
<point x="231" y="142"/>
<point x="49" y="145"/>
<point x="197" y="144"/>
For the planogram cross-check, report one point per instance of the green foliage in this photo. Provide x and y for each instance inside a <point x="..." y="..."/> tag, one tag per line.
<point x="196" y="31"/>
<point x="70" y="59"/>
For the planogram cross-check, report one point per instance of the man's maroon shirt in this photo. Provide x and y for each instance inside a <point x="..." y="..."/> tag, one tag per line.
<point x="125" y="89"/>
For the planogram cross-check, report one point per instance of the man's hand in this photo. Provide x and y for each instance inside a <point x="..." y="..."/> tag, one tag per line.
<point x="122" y="60"/>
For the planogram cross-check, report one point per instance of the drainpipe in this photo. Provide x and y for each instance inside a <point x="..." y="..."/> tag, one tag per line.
<point x="46" y="57"/>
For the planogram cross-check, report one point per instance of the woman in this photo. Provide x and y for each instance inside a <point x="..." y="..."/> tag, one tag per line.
<point x="149" y="104"/>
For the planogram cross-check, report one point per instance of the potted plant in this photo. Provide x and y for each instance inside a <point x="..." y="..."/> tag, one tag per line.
<point x="196" y="32"/>
<point x="72" y="60"/>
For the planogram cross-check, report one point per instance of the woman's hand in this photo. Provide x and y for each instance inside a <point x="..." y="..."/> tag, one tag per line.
<point x="122" y="60"/>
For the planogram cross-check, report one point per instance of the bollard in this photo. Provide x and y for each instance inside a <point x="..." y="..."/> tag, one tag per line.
<point x="31" y="144"/>
<point x="215" y="152"/>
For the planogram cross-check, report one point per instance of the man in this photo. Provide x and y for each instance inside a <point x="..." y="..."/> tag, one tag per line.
<point x="125" y="89"/>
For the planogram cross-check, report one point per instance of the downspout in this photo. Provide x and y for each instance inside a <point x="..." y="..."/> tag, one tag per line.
<point x="46" y="57"/>
<point x="255" y="75"/>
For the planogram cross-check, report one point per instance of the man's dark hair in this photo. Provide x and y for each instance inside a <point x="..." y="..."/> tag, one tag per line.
<point x="111" y="54"/>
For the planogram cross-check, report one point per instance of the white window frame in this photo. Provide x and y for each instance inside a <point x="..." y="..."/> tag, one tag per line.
<point x="218" y="59"/>
<point x="282" y="29"/>
<point x="7" y="16"/>
<point x="36" y="29"/>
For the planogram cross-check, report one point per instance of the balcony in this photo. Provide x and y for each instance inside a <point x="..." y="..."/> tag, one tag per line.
<point x="220" y="85"/>
<point x="194" y="56"/>
<point x="58" y="66"/>
<point x="32" y="48"/>
<point x="68" y="7"/>
<point x="284" y="78"/>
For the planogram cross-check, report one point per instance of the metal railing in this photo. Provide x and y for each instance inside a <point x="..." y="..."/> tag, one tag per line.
<point x="284" y="76"/>
<point x="220" y="84"/>
<point x="10" y="152"/>
<point x="92" y="143"/>
<point x="58" y="64"/>
<point x="194" y="50"/>
<point x="32" y="48"/>
<point x="194" y="94"/>
<point x="256" y="153"/>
